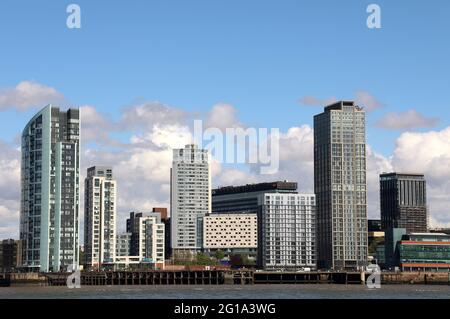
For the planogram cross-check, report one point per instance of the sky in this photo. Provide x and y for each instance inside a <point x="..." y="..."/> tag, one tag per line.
<point x="141" y="71"/>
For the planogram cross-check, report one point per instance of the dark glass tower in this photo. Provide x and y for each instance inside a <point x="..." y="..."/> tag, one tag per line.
<point x="403" y="202"/>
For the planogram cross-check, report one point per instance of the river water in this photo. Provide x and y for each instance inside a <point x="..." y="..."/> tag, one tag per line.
<point x="304" y="291"/>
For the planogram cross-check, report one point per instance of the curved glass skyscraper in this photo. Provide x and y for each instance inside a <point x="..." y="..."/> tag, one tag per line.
<point x="49" y="213"/>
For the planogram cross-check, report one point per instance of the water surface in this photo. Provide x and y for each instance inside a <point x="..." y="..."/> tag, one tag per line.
<point x="304" y="291"/>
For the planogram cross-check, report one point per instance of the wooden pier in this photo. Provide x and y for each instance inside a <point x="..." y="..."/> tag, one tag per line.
<point x="218" y="277"/>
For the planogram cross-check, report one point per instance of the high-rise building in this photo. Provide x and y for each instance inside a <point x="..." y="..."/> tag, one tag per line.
<point x="340" y="186"/>
<point x="100" y="191"/>
<point x="403" y="202"/>
<point x="49" y="213"/>
<point x="147" y="237"/>
<point x="190" y="197"/>
<point x="286" y="221"/>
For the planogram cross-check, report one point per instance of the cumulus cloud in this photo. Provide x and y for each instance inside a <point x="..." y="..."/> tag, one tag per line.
<point x="9" y="190"/>
<point x="408" y="120"/>
<point x="28" y="94"/>
<point x="141" y="165"/>
<point x="362" y="98"/>
<point x="428" y="153"/>
<point x="223" y="116"/>
<point x="145" y="115"/>
<point x="314" y="101"/>
<point x="95" y="126"/>
<point x="367" y="100"/>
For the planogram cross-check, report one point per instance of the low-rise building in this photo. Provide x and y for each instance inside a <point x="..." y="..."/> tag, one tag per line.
<point x="286" y="222"/>
<point x="231" y="233"/>
<point x="10" y="255"/>
<point x="424" y="252"/>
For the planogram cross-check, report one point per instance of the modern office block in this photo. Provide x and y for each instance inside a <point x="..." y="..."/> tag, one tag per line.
<point x="340" y="186"/>
<point x="286" y="221"/>
<point x="190" y="197"/>
<point x="403" y="202"/>
<point x="424" y="252"/>
<point x="147" y="237"/>
<point x="100" y="206"/>
<point x="49" y="213"/>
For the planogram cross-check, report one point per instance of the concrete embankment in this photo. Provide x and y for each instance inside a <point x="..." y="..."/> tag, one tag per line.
<point x="422" y="278"/>
<point x="27" y="279"/>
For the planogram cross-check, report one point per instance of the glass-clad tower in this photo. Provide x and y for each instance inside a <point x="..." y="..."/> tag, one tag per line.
<point x="49" y="213"/>
<point x="340" y="186"/>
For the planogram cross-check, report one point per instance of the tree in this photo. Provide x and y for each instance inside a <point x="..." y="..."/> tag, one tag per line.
<point x="203" y="259"/>
<point x="219" y="255"/>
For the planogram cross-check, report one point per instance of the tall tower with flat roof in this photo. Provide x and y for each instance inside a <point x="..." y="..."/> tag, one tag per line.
<point x="340" y="186"/>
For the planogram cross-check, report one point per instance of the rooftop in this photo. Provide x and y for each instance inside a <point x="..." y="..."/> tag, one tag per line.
<point x="279" y="185"/>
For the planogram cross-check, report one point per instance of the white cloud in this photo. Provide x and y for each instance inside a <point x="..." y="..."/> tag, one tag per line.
<point x="376" y="165"/>
<point x="95" y="126"/>
<point x="362" y="98"/>
<point x="367" y="100"/>
<point x="9" y="190"/>
<point x="223" y="116"/>
<point x="144" y="116"/>
<point x="428" y="153"/>
<point x="408" y="120"/>
<point x="313" y="101"/>
<point x="28" y="94"/>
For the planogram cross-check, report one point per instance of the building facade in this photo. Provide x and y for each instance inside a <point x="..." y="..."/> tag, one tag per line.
<point x="424" y="252"/>
<point x="165" y="219"/>
<point x="123" y="245"/>
<point x="231" y="233"/>
<point x="100" y="194"/>
<point x="10" y="255"/>
<point x="50" y="192"/>
<point x="340" y="186"/>
<point x="190" y="197"/>
<point x="286" y="222"/>
<point x="147" y="237"/>
<point x="403" y="202"/>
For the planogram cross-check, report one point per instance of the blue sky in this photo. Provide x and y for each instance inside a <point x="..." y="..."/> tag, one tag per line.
<point x="260" y="56"/>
